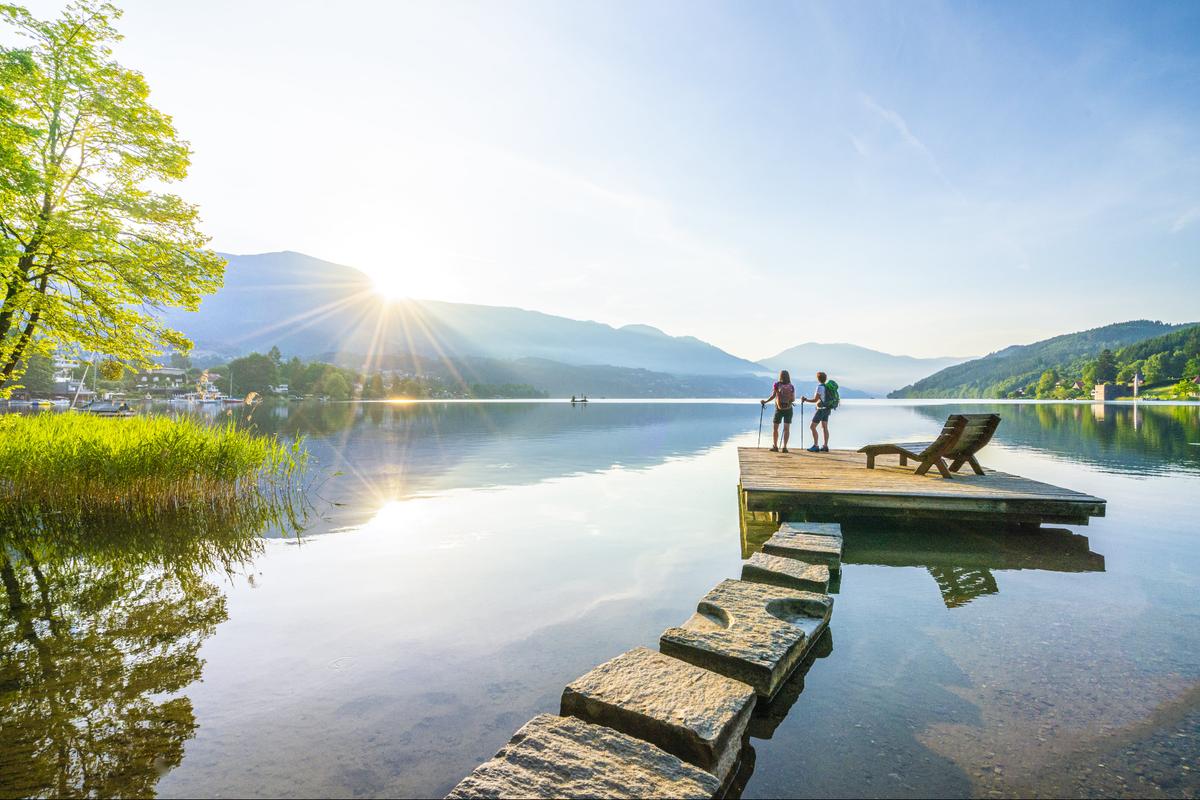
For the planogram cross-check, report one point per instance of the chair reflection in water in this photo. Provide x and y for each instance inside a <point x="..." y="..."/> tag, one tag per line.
<point x="961" y="559"/>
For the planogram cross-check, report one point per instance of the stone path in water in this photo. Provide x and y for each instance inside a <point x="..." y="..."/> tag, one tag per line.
<point x="674" y="723"/>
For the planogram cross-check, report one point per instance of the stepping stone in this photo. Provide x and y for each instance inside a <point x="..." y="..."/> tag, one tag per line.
<point x="811" y="547"/>
<point x="833" y="529"/>
<point x="751" y="632"/>
<point x="566" y="757"/>
<point x="692" y="713"/>
<point x="789" y="572"/>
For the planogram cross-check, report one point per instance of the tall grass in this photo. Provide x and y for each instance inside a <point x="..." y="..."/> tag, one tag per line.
<point x="80" y="467"/>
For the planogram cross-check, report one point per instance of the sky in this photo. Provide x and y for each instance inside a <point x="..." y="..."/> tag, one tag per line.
<point x="919" y="178"/>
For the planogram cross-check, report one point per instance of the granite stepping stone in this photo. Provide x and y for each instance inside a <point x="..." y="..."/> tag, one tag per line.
<point x="811" y="547"/>
<point x="789" y="572"/>
<point x="833" y="529"/>
<point x="690" y="712"/>
<point x="566" y="757"/>
<point x="752" y="632"/>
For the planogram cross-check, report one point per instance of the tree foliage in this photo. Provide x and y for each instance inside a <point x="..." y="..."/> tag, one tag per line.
<point x="89" y="251"/>
<point x="254" y="373"/>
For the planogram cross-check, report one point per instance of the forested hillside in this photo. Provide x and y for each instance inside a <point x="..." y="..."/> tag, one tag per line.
<point x="1021" y="370"/>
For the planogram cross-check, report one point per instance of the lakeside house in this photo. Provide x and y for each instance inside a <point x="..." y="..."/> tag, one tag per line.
<point x="161" y="380"/>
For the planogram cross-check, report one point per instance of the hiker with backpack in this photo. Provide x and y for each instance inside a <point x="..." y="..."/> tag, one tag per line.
<point x="827" y="399"/>
<point x="784" y="395"/>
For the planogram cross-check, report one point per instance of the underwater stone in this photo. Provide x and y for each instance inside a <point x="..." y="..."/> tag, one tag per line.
<point x="751" y="632"/>
<point x="566" y="757"/>
<point x="789" y="572"/>
<point x="815" y="548"/>
<point x="686" y="710"/>
<point x="832" y="529"/>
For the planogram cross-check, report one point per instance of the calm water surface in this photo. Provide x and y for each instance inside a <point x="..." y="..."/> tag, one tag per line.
<point x="471" y="559"/>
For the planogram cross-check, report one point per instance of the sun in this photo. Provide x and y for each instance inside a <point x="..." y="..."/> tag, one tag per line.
<point x="391" y="286"/>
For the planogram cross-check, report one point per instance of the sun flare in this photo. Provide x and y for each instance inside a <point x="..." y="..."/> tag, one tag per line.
<point x="391" y="286"/>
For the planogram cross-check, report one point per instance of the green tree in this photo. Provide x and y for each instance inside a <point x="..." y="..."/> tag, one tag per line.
<point x="1089" y="374"/>
<point x="1192" y="369"/>
<point x="1155" y="368"/>
<point x="293" y="371"/>
<point x="38" y="377"/>
<point x="275" y="356"/>
<point x="1128" y="370"/>
<point x="253" y="373"/>
<point x="374" y="389"/>
<point x="334" y="385"/>
<point x="1106" y="367"/>
<point x="1046" y="384"/>
<point x="90" y="250"/>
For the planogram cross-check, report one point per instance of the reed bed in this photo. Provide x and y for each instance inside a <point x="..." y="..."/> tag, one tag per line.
<point x="78" y="467"/>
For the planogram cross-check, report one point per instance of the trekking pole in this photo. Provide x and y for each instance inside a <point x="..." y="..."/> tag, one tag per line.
<point x="762" y="407"/>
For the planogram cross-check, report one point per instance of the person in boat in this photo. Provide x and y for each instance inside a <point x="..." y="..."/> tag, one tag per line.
<point x="784" y="395"/>
<point x="825" y="397"/>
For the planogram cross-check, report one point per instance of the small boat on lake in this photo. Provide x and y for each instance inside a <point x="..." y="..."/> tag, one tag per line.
<point x="109" y="409"/>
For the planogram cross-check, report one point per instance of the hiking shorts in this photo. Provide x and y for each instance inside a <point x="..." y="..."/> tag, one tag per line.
<point x="783" y="415"/>
<point x="821" y="415"/>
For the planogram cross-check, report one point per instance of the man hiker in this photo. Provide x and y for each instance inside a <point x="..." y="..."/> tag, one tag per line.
<point x="826" y="398"/>
<point x="784" y="395"/>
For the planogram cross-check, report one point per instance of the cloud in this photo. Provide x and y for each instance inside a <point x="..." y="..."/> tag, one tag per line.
<point x="901" y="127"/>
<point x="1186" y="219"/>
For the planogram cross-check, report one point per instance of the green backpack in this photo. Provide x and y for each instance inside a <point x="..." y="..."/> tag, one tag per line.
<point x="832" y="400"/>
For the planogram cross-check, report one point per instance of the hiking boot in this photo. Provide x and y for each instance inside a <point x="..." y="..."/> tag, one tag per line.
<point x="774" y="449"/>
<point x="814" y="449"/>
<point x="824" y="448"/>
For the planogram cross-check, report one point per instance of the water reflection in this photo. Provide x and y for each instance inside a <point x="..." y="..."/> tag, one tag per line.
<point x="377" y="453"/>
<point x="99" y="635"/>
<point x="959" y="558"/>
<point x="1129" y="438"/>
<point x="961" y="561"/>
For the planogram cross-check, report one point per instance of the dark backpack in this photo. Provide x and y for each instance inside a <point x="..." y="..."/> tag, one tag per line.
<point x="832" y="399"/>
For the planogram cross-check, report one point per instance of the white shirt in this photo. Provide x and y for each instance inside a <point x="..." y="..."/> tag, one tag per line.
<point x="820" y="394"/>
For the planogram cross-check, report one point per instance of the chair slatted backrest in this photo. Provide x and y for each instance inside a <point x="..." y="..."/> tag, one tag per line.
<point x="950" y="435"/>
<point x="977" y="433"/>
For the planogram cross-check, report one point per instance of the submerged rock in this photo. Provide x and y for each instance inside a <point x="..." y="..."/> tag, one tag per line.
<point x="688" y="711"/>
<point x="831" y="529"/>
<point x="566" y="757"/>
<point x="789" y="572"/>
<point x="751" y="632"/>
<point x="813" y="547"/>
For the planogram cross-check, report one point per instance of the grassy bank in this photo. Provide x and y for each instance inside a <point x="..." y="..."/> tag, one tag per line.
<point x="76" y="465"/>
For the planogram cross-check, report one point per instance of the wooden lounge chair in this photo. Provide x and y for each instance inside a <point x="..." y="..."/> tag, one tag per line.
<point x="929" y="454"/>
<point x="963" y="436"/>
<point x="979" y="431"/>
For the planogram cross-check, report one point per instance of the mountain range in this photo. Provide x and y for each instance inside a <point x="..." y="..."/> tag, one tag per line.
<point x="998" y="373"/>
<point x="317" y="309"/>
<point x="868" y="370"/>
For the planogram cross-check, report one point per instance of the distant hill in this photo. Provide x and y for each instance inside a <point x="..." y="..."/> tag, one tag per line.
<point x="867" y="370"/>
<point x="999" y="373"/>
<point x="307" y="307"/>
<point x="563" y="380"/>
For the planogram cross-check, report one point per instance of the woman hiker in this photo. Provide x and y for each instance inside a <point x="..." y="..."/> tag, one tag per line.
<point x="823" y="397"/>
<point x="784" y="395"/>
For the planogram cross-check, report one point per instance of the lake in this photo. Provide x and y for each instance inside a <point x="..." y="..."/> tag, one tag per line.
<point x="464" y="561"/>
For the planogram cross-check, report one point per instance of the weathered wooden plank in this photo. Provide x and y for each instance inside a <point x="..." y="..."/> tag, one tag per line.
<point x="838" y="483"/>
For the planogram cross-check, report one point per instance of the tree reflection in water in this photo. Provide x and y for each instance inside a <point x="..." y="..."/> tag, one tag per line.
<point x="99" y="634"/>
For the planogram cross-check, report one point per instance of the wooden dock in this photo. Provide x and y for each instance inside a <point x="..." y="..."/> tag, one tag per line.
<point x="835" y="485"/>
